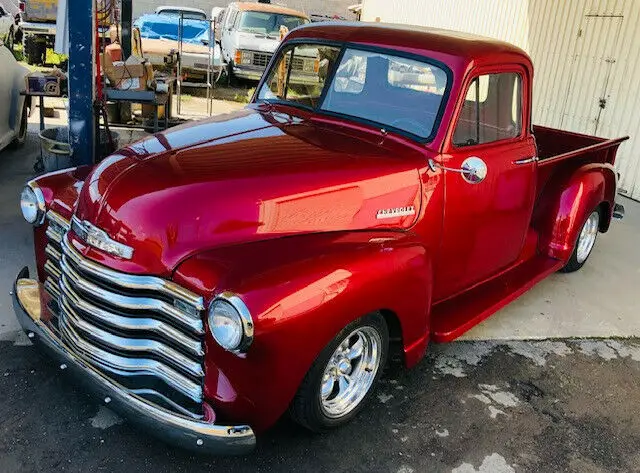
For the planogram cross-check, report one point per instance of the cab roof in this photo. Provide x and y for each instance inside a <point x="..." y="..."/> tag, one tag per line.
<point x="269" y="8"/>
<point x="464" y="45"/>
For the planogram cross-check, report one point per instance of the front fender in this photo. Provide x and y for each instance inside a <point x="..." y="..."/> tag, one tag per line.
<point x="301" y="292"/>
<point x="568" y="202"/>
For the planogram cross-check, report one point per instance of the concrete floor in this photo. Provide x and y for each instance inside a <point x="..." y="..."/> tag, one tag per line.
<point x="499" y="403"/>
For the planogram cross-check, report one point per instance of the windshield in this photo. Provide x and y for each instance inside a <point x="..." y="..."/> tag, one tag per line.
<point x="268" y="23"/>
<point x="380" y="87"/>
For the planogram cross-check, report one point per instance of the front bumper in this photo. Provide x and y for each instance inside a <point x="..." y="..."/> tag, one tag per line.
<point x="184" y="432"/>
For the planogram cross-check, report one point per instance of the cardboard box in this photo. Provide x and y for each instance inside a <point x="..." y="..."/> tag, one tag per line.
<point x="128" y="75"/>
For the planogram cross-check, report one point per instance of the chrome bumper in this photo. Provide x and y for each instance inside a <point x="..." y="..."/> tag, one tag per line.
<point x="38" y="28"/>
<point x="184" y="432"/>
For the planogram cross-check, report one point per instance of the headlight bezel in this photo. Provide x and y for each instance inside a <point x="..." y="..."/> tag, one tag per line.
<point x="244" y="316"/>
<point x="39" y="202"/>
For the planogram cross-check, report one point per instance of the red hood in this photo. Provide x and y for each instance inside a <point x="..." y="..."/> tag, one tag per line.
<point x="244" y="177"/>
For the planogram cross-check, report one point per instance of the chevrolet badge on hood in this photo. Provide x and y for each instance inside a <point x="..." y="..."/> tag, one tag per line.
<point x="99" y="239"/>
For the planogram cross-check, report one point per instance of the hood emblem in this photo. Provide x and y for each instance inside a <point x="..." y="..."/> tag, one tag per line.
<point x="99" y="239"/>
<point x="396" y="212"/>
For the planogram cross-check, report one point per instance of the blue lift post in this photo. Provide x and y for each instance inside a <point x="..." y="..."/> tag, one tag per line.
<point x="82" y="45"/>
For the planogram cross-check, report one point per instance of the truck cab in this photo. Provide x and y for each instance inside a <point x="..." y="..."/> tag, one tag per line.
<point x="249" y="33"/>
<point x="214" y="276"/>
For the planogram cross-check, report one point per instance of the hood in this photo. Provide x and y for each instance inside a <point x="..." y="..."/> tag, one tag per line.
<point x="257" y="42"/>
<point x="248" y="176"/>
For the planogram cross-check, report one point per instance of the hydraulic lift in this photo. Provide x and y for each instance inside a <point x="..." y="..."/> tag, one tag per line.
<point x="83" y="116"/>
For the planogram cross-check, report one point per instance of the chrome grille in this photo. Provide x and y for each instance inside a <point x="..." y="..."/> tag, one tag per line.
<point x="261" y="59"/>
<point x="142" y="331"/>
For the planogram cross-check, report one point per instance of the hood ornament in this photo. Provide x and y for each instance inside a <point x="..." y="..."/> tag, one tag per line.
<point x="99" y="239"/>
<point x="396" y="212"/>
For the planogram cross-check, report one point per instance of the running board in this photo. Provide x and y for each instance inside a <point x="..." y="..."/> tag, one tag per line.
<point x="453" y="317"/>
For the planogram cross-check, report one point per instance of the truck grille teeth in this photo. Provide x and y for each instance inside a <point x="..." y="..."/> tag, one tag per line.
<point x="144" y="332"/>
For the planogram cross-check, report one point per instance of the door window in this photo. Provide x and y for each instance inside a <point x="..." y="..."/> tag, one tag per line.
<point x="492" y="110"/>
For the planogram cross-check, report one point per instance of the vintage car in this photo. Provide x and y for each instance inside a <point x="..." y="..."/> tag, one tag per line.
<point x="210" y="278"/>
<point x="164" y="35"/>
<point x="14" y="111"/>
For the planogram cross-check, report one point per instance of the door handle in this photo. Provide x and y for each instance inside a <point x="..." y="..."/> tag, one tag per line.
<point x="530" y="160"/>
<point x="473" y="169"/>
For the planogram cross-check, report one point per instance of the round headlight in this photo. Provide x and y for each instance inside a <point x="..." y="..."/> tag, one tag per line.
<point x="32" y="204"/>
<point x="230" y="322"/>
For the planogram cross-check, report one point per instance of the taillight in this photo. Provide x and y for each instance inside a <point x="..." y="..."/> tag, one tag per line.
<point x="22" y="5"/>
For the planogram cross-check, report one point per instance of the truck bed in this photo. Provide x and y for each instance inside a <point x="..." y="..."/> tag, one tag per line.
<point x="562" y="152"/>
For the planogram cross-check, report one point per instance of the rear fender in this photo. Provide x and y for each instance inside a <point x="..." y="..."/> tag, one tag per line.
<point x="568" y="202"/>
<point x="301" y="292"/>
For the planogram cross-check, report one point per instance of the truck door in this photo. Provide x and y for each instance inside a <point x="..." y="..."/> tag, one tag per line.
<point x="489" y="175"/>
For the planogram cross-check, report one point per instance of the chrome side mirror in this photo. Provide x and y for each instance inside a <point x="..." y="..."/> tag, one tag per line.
<point x="473" y="170"/>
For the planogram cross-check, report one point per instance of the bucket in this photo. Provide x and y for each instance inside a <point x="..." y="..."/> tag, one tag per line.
<point x="56" y="152"/>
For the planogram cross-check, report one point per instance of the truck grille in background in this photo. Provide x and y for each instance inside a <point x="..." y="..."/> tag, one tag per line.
<point x="261" y="59"/>
<point x="144" y="332"/>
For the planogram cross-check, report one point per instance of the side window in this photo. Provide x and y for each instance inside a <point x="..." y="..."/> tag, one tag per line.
<point x="492" y="110"/>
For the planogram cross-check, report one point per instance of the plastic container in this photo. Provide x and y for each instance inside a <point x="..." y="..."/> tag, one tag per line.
<point x="56" y="152"/>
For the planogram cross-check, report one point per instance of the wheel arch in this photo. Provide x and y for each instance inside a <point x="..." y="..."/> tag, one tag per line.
<point x="301" y="301"/>
<point x="564" y="209"/>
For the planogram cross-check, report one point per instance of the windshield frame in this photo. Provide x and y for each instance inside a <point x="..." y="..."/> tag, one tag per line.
<point x="343" y="46"/>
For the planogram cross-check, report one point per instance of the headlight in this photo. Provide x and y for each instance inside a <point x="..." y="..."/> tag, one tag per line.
<point x="32" y="204"/>
<point x="230" y="322"/>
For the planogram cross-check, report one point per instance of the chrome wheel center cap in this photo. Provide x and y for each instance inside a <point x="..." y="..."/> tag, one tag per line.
<point x="344" y="367"/>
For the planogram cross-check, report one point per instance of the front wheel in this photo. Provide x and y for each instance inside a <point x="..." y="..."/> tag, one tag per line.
<point x="343" y="376"/>
<point x="584" y="244"/>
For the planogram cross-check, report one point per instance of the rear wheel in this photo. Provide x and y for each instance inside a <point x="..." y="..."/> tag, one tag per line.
<point x="343" y="376"/>
<point x="10" y="39"/>
<point x="584" y="244"/>
<point x="21" y="137"/>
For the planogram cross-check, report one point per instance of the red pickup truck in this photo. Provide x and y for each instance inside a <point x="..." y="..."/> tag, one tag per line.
<point x="210" y="278"/>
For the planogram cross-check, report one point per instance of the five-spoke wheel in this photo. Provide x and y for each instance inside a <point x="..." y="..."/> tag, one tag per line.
<point x="343" y="375"/>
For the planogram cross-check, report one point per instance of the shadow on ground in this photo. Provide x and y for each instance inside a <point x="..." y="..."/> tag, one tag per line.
<point x="469" y="406"/>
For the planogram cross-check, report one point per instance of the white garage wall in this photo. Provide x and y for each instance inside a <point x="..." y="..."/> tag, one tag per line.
<point x="582" y="50"/>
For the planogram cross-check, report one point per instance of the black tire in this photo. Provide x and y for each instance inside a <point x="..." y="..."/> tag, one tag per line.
<point x="575" y="263"/>
<point x="21" y="137"/>
<point x="306" y="409"/>
<point x="10" y="39"/>
<point x="35" y="51"/>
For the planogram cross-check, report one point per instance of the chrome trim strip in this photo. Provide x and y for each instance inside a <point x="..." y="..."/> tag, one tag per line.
<point x="135" y="324"/>
<point x="52" y="253"/>
<point x="133" y="345"/>
<point x="58" y="219"/>
<point x="51" y="269"/>
<point x="52" y="288"/>
<point x="53" y="235"/>
<point x="130" y="281"/>
<point x="530" y="160"/>
<point x="137" y="366"/>
<point x="128" y="302"/>
<point x="176" y="429"/>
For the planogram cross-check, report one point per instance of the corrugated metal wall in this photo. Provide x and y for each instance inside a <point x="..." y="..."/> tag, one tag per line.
<point x="583" y="51"/>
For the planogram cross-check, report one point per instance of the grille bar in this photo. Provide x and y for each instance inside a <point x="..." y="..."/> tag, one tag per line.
<point x="131" y="324"/>
<point x="131" y="346"/>
<point x="128" y="302"/>
<point x="129" y="366"/>
<point x="143" y="332"/>
<point x="131" y="281"/>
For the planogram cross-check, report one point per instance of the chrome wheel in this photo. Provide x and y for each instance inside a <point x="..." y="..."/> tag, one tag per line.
<point x="350" y="372"/>
<point x="587" y="237"/>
